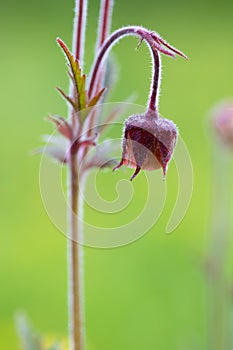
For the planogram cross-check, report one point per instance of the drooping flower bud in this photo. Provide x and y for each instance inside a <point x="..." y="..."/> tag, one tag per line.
<point x="223" y="123"/>
<point x="148" y="142"/>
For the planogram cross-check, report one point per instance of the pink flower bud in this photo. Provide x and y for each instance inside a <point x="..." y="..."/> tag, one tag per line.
<point x="223" y="123"/>
<point x="148" y="142"/>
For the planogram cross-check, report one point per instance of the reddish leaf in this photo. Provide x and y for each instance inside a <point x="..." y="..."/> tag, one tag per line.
<point x="67" y="98"/>
<point x="62" y="126"/>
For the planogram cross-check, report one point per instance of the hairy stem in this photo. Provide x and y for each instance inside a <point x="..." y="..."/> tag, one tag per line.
<point x="79" y="29"/>
<point x="154" y="93"/>
<point x="75" y="250"/>
<point x="143" y="34"/>
<point x="105" y="17"/>
<point x="75" y="255"/>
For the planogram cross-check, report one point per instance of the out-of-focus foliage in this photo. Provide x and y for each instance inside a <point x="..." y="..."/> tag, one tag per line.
<point x="149" y="294"/>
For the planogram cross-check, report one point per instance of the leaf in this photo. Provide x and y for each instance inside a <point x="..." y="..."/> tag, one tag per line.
<point x="79" y="79"/>
<point x="118" y="110"/>
<point x="30" y="340"/>
<point x="57" y="147"/>
<point x="67" y="98"/>
<point x="111" y="74"/>
<point x="96" y="98"/>
<point x="62" y="125"/>
<point x="54" y="152"/>
<point x="102" y="156"/>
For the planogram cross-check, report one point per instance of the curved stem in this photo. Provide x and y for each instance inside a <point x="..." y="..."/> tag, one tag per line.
<point x="154" y="46"/>
<point x="155" y="86"/>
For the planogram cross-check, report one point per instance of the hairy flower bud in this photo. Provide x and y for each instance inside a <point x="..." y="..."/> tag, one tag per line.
<point x="148" y="142"/>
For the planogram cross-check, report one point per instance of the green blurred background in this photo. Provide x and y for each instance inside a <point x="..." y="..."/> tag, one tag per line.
<point x="150" y="294"/>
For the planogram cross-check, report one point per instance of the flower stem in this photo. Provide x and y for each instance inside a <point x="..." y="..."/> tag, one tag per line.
<point x="143" y="34"/>
<point x="155" y="86"/>
<point x="75" y="256"/>
<point x="75" y="250"/>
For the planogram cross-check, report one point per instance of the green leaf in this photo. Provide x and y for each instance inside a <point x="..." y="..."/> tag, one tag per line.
<point x="96" y="98"/>
<point x="78" y="77"/>
<point x="85" y="113"/>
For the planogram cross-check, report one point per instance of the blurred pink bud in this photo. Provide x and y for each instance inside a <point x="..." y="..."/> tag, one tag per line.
<point x="223" y="123"/>
<point x="148" y="142"/>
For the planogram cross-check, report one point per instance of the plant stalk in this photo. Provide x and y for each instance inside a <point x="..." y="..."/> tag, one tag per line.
<point x="75" y="249"/>
<point x="75" y="256"/>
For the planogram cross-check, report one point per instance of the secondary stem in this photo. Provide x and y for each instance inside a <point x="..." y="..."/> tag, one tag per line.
<point x="104" y="21"/>
<point x="103" y="31"/>
<point x="79" y="29"/>
<point x="104" y="26"/>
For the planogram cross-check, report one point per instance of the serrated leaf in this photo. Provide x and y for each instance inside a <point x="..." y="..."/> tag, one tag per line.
<point x="84" y="113"/>
<point x="79" y="78"/>
<point x="96" y="98"/>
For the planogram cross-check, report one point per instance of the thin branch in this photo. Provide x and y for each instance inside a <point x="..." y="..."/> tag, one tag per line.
<point x="105" y="17"/>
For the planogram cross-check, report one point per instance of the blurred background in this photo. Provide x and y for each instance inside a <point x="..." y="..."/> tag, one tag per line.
<point x="150" y="294"/>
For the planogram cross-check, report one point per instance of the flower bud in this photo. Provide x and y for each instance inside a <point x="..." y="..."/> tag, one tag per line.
<point x="223" y="123"/>
<point x="148" y="142"/>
